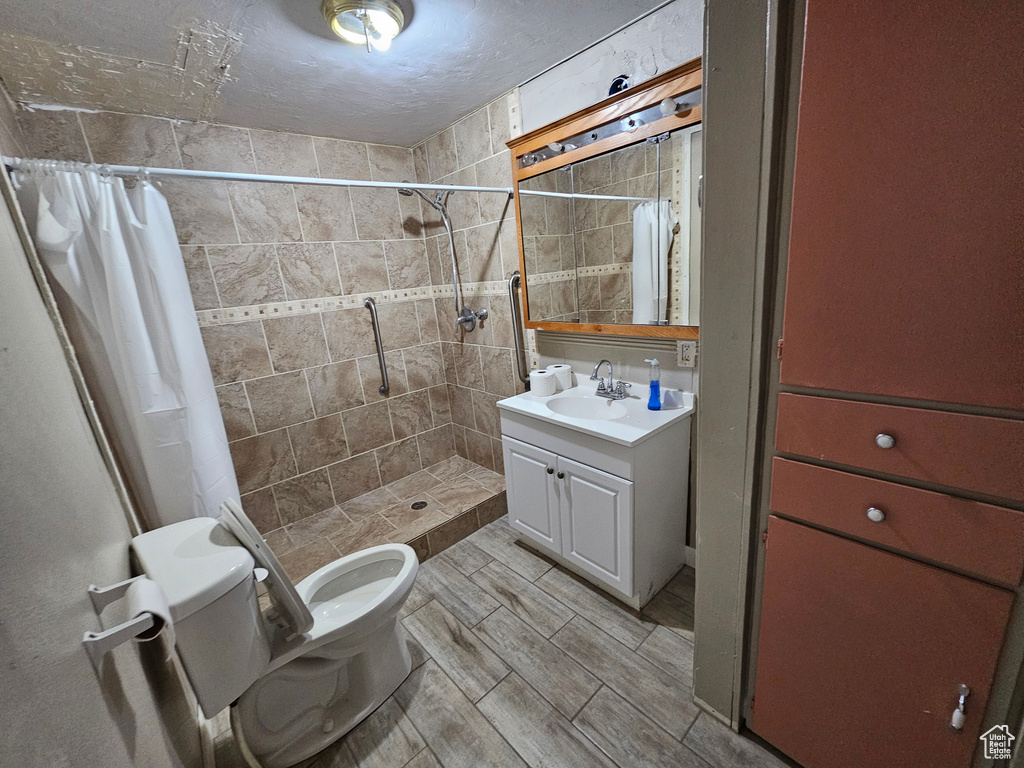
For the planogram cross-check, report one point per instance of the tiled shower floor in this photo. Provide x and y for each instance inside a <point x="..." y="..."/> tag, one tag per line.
<point x="519" y="663"/>
<point x="429" y="510"/>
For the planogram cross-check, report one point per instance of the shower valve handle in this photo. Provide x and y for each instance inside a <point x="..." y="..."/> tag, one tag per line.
<point x="468" y="318"/>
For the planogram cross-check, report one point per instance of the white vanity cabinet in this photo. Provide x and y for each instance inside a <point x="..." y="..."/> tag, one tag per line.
<point x="607" y="501"/>
<point x="582" y="513"/>
<point x="533" y="499"/>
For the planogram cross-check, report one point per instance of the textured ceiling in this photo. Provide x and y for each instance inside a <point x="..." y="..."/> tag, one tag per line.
<point x="289" y="72"/>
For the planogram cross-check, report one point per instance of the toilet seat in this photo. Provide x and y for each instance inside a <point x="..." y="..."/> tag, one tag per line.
<point x="324" y="607"/>
<point x="290" y="607"/>
<point x="380" y="578"/>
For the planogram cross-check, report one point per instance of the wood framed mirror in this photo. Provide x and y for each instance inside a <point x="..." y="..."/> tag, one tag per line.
<point x="608" y="213"/>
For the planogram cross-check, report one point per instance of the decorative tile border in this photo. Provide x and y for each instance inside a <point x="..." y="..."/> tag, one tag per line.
<point x="605" y="269"/>
<point x="224" y="316"/>
<point x="208" y="317"/>
<point x="551" y="277"/>
<point x="569" y="274"/>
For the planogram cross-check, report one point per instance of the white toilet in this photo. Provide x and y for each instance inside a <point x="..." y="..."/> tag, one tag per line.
<point x="326" y="653"/>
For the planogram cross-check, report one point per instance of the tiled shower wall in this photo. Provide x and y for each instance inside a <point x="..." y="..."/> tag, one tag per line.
<point x="278" y="275"/>
<point x="605" y="231"/>
<point x="590" y="241"/>
<point x="549" y="248"/>
<point x="479" y="366"/>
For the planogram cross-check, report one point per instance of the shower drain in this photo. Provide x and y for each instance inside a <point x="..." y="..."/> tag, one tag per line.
<point x="419" y="504"/>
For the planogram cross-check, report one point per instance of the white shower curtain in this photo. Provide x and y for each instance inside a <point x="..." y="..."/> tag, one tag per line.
<point x="113" y="259"/>
<point x="653" y="224"/>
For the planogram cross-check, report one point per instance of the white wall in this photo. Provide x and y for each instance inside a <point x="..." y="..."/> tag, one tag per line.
<point x="64" y="528"/>
<point x="666" y="38"/>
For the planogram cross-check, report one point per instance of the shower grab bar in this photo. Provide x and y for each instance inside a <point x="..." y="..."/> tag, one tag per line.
<point x="384" y="387"/>
<point x="517" y="328"/>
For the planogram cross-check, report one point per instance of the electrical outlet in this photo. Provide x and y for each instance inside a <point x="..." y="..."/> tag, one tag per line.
<point x="686" y="354"/>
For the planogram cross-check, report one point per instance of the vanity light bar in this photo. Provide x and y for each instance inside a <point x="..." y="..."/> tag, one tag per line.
<point x="683" y="103"/>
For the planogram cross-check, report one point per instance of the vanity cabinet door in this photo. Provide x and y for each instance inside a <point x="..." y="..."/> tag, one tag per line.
<point x="597" y="523"/>
<point x="530" y="486"/>
<point x="861" y="653"/>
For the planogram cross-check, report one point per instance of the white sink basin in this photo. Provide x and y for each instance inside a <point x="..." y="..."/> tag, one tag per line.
<point x="626" y="421"/>
<point x="582" y="407"/>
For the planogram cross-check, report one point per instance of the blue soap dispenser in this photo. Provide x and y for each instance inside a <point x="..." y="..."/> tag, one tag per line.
<point x="654" y="403"/>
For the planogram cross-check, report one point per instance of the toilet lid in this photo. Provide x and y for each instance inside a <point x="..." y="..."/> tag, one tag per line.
<point x="282" y="594"/>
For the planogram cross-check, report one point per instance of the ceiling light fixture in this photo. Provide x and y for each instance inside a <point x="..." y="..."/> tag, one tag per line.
<point x="364" y="22"/>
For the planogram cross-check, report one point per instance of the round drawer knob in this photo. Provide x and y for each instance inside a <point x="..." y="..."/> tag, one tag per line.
<point x="885" y="441"/>
<point x="551" y="471"/>
<point x="875" y="515"/>
<point x="561" y="475"/>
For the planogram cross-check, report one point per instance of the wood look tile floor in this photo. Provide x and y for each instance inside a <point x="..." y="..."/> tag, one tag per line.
<point x="519" y="663"/>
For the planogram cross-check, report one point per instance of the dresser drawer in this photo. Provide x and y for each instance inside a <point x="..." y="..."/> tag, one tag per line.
<point x="978" y="538"/>
<point x="977" y="453"/>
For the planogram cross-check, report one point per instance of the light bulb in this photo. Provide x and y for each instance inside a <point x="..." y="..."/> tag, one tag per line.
<point x="379" y="41"/>
<point x="347" y="34"/>
<point x="630" y="124"/>
<point x="384" y="28"/>
<point x="370" y="23"/>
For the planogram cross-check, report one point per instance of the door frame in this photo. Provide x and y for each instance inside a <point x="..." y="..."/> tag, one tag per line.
<point x="748" y="64"/>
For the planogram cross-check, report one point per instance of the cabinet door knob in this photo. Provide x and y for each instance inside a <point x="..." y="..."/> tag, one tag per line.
<point x="885" y="441"/>
<point x="551" y="471"/>
<point x="875" y="515"/>
<point x="561" y="475"/>
<point x="959" y="715"/>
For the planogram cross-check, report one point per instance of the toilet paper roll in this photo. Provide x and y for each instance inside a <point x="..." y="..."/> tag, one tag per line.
<point x="145" y="596"/>
<point x="543" y="382"/>
<point x="563" y="375"/>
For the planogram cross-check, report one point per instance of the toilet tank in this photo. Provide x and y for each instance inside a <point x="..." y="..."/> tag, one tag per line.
<point x="211" y="591"/>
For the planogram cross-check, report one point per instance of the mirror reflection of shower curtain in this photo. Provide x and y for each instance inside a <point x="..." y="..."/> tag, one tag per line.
<point x="652" y="241"/>
<point x="113" y="261"/>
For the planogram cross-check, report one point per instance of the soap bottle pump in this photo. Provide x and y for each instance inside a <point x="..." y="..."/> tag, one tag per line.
<point x="654" y="403"/>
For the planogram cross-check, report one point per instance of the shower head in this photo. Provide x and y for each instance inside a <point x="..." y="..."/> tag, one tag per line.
<point x="438" y="202"/>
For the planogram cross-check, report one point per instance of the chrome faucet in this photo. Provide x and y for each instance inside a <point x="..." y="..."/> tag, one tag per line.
<point x="611" y="389"/>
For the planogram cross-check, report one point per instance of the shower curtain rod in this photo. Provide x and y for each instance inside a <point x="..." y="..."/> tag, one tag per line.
<point x="15" y="163"/>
